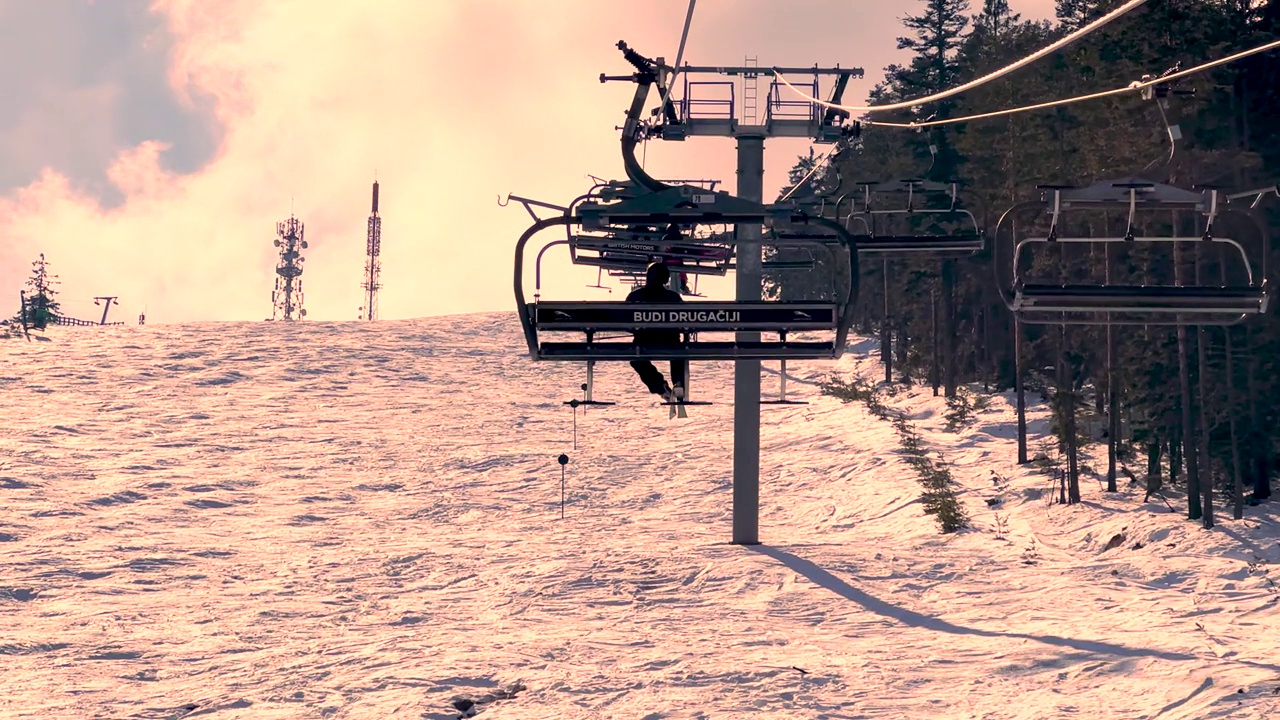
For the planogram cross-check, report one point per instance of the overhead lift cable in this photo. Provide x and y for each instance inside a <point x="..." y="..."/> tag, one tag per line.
<point x="684" y="35"/>
<point x="978" y="82"/>
<point x="1136" y="86"/>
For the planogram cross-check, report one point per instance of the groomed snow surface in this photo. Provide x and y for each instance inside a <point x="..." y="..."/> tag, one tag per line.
<point x="343" y="520"/>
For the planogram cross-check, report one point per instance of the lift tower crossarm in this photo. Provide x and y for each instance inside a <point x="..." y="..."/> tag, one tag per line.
<point x="771" y="71"/>
<point x="110" y="299"/>
<point x="720" y="116"/>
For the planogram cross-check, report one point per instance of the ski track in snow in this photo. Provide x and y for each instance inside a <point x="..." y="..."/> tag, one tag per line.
<point x="344" y="520"/>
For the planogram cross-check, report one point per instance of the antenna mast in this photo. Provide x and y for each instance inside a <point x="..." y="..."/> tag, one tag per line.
<point x="373" y="246"/>
<point x="287" y="297"/>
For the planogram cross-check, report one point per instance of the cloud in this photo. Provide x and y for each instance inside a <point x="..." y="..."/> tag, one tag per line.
<point x="450" y="103"/>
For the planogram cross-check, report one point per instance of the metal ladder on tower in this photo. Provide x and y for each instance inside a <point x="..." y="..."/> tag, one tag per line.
<point x="750" y="83"/>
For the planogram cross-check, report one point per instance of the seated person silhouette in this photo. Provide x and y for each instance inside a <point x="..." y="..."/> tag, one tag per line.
<point x="654" y="290"/>
<point x="670" y="239"/>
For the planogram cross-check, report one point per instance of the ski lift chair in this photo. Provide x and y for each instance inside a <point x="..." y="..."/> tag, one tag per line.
<point x="899" y="240"/>
<point x="636" y="249"/>
<point x="1041" y="302"/>
<point x="690" y="207"/>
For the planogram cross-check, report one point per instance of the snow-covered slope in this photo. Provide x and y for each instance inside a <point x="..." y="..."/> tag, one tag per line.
<point x="342" y="520"/>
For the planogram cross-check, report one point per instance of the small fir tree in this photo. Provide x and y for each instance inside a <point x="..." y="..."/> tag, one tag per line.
<point x="42" y="308"/>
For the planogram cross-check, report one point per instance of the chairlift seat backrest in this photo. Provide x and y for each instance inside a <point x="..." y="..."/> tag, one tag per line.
<point x="916" y="245"/>
<point x="1117" y="193"/>
<point x="681" y="204"/>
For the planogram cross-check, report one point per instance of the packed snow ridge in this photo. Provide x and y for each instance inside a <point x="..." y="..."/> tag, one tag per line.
<point x="345" y="520"/>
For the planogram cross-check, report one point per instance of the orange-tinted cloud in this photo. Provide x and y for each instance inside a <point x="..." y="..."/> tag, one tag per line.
<point x="451" y="103"/>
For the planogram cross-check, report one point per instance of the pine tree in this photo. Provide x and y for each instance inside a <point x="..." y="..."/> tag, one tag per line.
<point x="938" y="34"/>
<point x="796" y="176"/>
<point x="42" y="308"/>
<point x="1075" y="14"/>
<point x="1230" y="137"/>
<point x="995" y="22"/>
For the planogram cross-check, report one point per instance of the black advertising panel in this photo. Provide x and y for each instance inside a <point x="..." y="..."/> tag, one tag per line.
<point x="686" y="316"/>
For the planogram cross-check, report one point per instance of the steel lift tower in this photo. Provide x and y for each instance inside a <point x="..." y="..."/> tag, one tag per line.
<point x="109" y="299"/>
<point x="373" y="246"/>
<point x="287" y="297"/>
<point x="707" y="108"/>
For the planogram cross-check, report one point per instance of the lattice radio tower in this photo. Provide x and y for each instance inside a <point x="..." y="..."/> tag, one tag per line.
<point x="287" y="297"/>
<point x="373" y="246"/>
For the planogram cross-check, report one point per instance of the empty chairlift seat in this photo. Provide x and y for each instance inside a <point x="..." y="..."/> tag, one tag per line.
<point x="885" y="232"/>
<point x="1042" y="302"/>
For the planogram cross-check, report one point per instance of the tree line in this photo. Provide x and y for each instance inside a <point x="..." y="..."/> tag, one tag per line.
<point x="1196" y="406"/>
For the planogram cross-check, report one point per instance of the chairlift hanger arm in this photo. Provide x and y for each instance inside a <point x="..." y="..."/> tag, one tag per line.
<point x="854" y="273"/>
<point x="1257" y="195"/>
<point x="1004" y="287"/>
<point x="831" y="115"/>
<point x="526" y="322"/>
<point x="644" y="79"/>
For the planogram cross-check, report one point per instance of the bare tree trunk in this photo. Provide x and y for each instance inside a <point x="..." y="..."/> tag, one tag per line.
<point x="902" y="349"/>
<point x="1113" y="395"/>
<point x="1020" y="391"/>
<point x="1261" y="456"/>
<point x="1073" y="450"/>
<point x="1188" y="443"/>
<point x="1153" y="468"/>
<point x="1188" y="423"/>
<point x="982" y="341"/>
<point x="1237" y="483"/>
<point x="1202" y="446"/>
<point x="949" y="373"/>
<point x="1067" y="416"/>
<point x="886" y="334"/>
<point x="935" y="378"/>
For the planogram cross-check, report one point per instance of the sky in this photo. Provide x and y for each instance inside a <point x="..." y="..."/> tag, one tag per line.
<point x="150" y="148"/>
